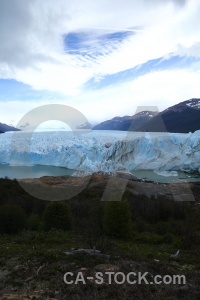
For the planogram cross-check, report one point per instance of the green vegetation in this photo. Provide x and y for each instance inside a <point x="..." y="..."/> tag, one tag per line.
<point x="117" y="219"/>
<point x="57" y="215"/>
<point x="12" y="218"/>
<point x="139" y="234"/>
<point x="173" y="222"/>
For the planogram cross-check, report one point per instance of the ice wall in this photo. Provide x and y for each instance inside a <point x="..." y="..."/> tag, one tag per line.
<point x="103" y="150"/>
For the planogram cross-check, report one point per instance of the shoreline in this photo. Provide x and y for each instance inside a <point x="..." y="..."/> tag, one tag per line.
<point x="137" y="187"/>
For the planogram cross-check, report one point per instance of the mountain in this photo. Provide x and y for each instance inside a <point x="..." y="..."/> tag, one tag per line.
<point x="126" y="122"/>
<point x="4" y="128"/>
<point x="85" y="125"/>
<point x="182" y="118"/>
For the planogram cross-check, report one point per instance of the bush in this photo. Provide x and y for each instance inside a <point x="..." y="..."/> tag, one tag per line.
<point x="117" y="219"/>
<point x="12" y="218"/>
<point x="34" y="222"/>
<point x="57" y="216"/>
<point x="168" y="238"/>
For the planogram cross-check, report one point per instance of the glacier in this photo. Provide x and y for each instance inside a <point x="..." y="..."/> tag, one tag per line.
<point x="106" y="151"/>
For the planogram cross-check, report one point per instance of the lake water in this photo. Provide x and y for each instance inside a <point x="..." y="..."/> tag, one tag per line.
<point x="20" y="172"/>
<point x="166" y="177"/>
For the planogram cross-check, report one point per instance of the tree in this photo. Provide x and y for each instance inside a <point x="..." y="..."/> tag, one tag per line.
<point x="117" y="219"/>
<point x="57" y="215"/>
<point x="12" y="218"/>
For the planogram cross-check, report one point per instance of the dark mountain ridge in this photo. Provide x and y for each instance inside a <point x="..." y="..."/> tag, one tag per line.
<point x="180" y="118"/>
<point x="127" y="122"/>
<point x="4" y="128"/>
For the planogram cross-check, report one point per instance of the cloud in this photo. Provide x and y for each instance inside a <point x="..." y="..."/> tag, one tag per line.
<point x="34" y="51"/>
<point x="32" y="30"/>
<point x="160" y="88"/>
<point x="193" y="51"/>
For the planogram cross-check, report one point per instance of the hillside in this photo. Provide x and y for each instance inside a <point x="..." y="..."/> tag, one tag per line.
<point x="183" y="117"/>
<point x="127" y="122"/>
<point x="4" y="128"/>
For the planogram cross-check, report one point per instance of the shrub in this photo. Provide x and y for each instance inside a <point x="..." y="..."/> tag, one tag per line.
<point x="117" y="219"/>
<point x="34" y="222"/>
<point x="57" y="216"/>
<point x="12" y="218"/>
<point x="168" y="238"/>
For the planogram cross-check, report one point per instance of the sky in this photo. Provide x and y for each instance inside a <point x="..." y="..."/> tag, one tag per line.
<point x="104" y="58"/>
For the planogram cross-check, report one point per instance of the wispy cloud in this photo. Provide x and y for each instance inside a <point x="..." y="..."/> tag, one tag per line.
<point x="98" y="54"/>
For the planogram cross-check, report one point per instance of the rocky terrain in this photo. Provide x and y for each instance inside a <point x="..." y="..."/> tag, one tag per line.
<point x="138" y="187"/>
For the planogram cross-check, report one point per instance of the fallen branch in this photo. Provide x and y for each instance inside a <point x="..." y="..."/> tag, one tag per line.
<point x="36" y="273"/>
<point x="87" y="251"/>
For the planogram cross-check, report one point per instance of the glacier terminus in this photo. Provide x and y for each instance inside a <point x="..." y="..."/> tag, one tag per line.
<point x="106" y="151"/>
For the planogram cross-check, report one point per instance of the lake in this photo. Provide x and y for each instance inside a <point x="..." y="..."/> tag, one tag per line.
<point x="165" y="176"/>
<point x="20" y="172"/>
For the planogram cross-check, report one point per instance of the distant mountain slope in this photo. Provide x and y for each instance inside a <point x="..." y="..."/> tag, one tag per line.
<point x="126" y="122"/>
<point x="85" y="125"/>
<point x="183" y="117"/>
<point x="4" y="128"/>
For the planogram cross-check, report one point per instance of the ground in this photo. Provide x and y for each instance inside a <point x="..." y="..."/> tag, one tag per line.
<point x="33" y="263"/>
